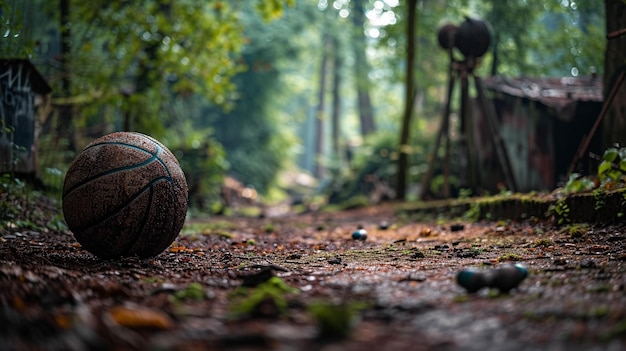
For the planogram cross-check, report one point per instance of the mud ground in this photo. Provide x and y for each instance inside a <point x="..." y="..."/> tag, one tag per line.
<point x="302" y="283"/>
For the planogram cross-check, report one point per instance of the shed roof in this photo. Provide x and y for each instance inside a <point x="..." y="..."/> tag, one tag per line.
<point x="561" y="94"/>
<point x="39" y="84"/>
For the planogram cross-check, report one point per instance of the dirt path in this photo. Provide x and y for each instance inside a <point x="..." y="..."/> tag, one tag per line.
<point x="277" y="283"/>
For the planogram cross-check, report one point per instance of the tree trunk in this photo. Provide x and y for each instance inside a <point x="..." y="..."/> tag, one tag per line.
<point x="614" y="62"/>
<point x="495" y="62"/>
<point x="403" y="158"/>
<point x="336" y="108"/>
<point x="320" y="111"/>
<point x="366" y="112"/>
<point x="66" y="119"/>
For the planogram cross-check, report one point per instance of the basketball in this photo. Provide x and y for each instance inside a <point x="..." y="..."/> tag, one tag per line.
<point x="125" y="195"/>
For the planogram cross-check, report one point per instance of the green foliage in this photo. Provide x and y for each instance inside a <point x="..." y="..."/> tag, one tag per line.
<point x="14" y="39"/>
<point x="576" y="231"/>
<point x="57" y="223"/>
<point x="611" y="174"/>
<point x="225" y="66"/>
<point x="543" y="242"/>
<point x="152" y="66"/>
<point x="256" y="140"/>
<point x="576" y="184"/>
<point x="273" y="291"/>
<point x="141" y="54"/>
<point x="194" y="291"/>
<point x="13" y="197"/>
<point x="203" y="160"/>
<point x="559" y="211"/>
<point x="272" y="9"/>
<point x="335" y="321"/>
<point x="54" y="160"/>
<point x="612" y="168"/>
<point x="473" y="212"/>
<point x="374" y="165"/>
<point x="22" y="208"/>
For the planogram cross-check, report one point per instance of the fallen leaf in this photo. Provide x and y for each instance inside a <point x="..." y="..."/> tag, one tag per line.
<point x="139" y="317"/>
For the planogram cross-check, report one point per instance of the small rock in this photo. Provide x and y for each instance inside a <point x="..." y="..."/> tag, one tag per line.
<point x="384" y="225"/>
<point x="256" y="276"/>
<point x="472" y="279"/>
<point x="615" y="238"/>
<point x="336" y="260"/>
<point x="417" y="254"/>
<point x="508" y="276"/>
<point x="588" y="263"/>
<point x="456" y="227"/>
<point x="414" y="277"/>
<point x="359" y="234"/>
<point x="504" y="278"/>
<point x="466" y="253"/>
<point x="165" y="287"/>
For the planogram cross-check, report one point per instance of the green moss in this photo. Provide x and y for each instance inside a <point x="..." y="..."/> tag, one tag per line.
<point x="544" y="242"/>
<point x="334" y="320"/>
<point x="194" y="291"/>
<point x="597" y="312"/>
<point x="208" y="227"/>
<point x="269" y="228"/>
<point x="509" y="257"/>
<point x="247" y="301"/>
<point x="576" y="230"/>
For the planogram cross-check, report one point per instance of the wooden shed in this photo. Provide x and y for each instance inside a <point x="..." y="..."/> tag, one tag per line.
<point x="23" y="96"/>
<point x="542" y="122"/>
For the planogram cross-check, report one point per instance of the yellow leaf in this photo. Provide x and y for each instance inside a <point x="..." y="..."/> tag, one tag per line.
<point x="140" y="317"/>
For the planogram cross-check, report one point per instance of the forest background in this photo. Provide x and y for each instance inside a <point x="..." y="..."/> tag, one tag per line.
<point x="281" y="95"/>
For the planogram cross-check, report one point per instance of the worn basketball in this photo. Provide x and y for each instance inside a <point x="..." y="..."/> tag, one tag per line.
<point x="124" y="195"/>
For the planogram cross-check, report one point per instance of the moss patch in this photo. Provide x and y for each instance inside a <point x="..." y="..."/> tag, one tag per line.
<point x="581" y="207"/>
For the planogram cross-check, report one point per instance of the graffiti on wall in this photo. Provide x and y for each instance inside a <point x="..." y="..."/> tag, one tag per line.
<point x="17" y="117"/>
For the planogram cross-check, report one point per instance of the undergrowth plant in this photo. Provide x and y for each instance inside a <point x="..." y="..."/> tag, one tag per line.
<point x="24" y="206"/>
<point x="611" y="174"/>
<point x="250" y="301"/>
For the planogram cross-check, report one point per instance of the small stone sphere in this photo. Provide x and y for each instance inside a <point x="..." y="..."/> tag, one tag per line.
<point x="359" y="234"/>
<point x="508" y="277"/>
<point x="472" y="279"/>
<point x="384" y="225"/>
<point x="125" y="195"/>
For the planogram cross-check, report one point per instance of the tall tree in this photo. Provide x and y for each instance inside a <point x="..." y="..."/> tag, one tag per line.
<point x="336" y="95"/>
<point x="362" y="69"/>
<point x="320" y="111"/>
<point x="256" y="140"/>
<point x="66" y="125"/>
<point x="409" y="89"/>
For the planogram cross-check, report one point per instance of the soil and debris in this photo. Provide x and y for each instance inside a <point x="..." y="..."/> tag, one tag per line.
<point x="302" y="282"/>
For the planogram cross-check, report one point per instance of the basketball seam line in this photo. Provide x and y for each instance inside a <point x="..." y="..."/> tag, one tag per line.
<point x="159" y="148"/>
<point x="119" y="169"/>
<point x="144" y="220"/>
<point x="119" y="208"/>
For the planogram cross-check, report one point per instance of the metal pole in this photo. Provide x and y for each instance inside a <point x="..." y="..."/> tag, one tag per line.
<point x="605" y="108"/>
<point x="494" y="131"/>
<point x="444" y="127"/>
